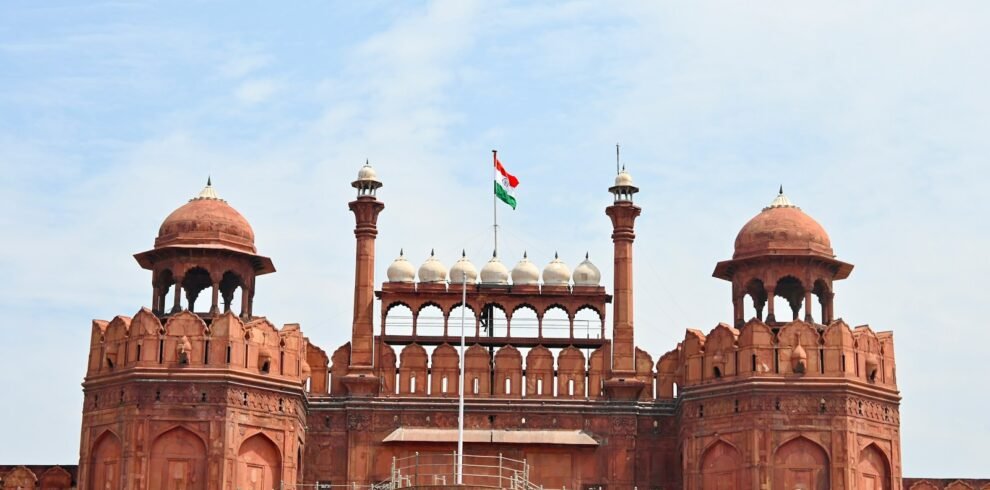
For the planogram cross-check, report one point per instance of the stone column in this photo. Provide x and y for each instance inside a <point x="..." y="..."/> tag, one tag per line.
<point x="807" y="307"/>
<point x="245" y="299"/>
<point x="623" y="384"/>
<point x="737" y="310"/>
<point x="770" y="315"/>
<point x="177" y="305"/>
<point x="215" y="304"/>
<point x="360" y="380"/>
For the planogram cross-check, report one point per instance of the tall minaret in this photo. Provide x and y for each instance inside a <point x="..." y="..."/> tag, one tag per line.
<point x="360" y="379"/>
<point x="623" y="384"/>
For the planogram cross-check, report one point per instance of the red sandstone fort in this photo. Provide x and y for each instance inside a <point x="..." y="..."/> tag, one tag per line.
<point x="199" y="391"/>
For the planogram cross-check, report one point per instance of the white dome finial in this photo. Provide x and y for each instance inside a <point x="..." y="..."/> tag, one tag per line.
<point x="367" y="182"/>
<point x="462" y="269"/>
<point x="781" y="201"/>
<point x="208" y="192"/>
<point x="401" y="270"/>
<point x="432" y="271"/>
<point x="586" y="273"/>
<point x="556" y="273"/>
<point x="525" y="273"/>
<point x="494" y="272"/>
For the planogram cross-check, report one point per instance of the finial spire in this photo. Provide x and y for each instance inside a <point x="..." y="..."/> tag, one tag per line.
<point x="494" y="253"/>
<point x="617" y="159"/>
<point x="208" y="192"/>
<point x="402" y="252"/>
<point x="555" y="255"/>
<point x="431" y="252"/>
<point x="463" y="253"/>
<point x="585" y="255"/>
<point x="524" y="255"/>
<point x="781" y="201"/>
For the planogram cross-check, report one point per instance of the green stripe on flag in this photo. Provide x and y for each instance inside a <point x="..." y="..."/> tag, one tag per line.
<point x="504" y="195"/>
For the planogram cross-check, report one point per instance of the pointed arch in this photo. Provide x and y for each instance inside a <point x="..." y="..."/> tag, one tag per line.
<point x="539" y="373"/>
<point x="873" y="468"/>
<point x="525" y="320"/>
<point x="178" y="460"/>
<point x="55" y="477"/>
<point x="105" y="466"/>
<point x="477" y="371"/>
<point x="570" y="373"/>
<point x="721" y="466"/>
<point x="259" y="463"/>
<point x="800" y="462"/>
<point x="19" y="478"/>
<point x="508" y="372"/>
<point x="412" y="370"/>
<point x="444" y="371"/>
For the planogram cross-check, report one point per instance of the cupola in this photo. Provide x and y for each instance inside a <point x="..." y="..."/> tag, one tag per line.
<point x="463" y="267"/>
<point x="556" y="273"/>
<point x="204" y="245"/>
<point x="432" y="271"/>
<point x="206" y="221"/>
<point x="525" y="273"/>
<point x="494" y="272"/>
<point x="401" y="270"/>
<point x="367" y="183"/>
<point x="586" y="273"/>
<point x="623" y="189"/>
<point x="782" y="229"/>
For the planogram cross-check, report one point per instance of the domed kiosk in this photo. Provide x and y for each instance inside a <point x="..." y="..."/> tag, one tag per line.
<point x="205" y="243"/>
<point x="782" y="252"/>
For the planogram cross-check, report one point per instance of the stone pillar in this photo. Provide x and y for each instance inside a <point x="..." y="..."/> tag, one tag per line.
<point x="215" y="304"/>
<point x="360" y="379"/>
<point x="245" y="299"/>
<point x="177" y="305"/>
<point x="770" y="315"/>
<point x="155" y="297"/>
<point x="623" y="384"/>
<point x="807" y="307"/>
<point x="829" y="307"/>
<point x="737" y="310"/>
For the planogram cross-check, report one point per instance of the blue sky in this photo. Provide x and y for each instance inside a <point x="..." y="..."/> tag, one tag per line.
<point x="873" y="117"/>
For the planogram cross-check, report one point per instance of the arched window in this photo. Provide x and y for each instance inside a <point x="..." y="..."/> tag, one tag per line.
<point x="791" y="289"/>
<point x="231" y="290"/>
<point x="757" y="293"/>
<point x="588" y="324"/>
<point x="454" y="321"/>
<point x="524" y="322"/>
<point x="556" y="323"/>
<point x="429" y="321"/>
<point x="398" y="320"/>
<point x="494" y="322"/>
<point x="195" y="280"/>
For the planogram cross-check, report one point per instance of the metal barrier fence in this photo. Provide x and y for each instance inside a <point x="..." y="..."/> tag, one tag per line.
<point x="441" y="469"/>
<point x="438" y="470"/>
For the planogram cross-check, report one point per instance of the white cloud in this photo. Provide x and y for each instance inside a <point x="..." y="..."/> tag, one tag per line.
<point x="255" y="91"/>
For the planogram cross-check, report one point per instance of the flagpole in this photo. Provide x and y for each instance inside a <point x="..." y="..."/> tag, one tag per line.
<point x="460" y="399"/>
<point x="495" y="199"/>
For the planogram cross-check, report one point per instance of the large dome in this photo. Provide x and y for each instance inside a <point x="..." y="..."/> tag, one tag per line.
<point x="782" y="229"/>
<point x="206" y="221"/>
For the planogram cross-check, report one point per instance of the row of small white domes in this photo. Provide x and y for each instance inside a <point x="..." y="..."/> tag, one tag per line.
<point x="556" y="273"/>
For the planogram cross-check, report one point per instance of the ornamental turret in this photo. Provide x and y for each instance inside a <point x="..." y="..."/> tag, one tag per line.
<point x="360" y="380"/>
<point x="623" y="213"/>
<point x="204" y="245"/>
<point x="783" y="252"/>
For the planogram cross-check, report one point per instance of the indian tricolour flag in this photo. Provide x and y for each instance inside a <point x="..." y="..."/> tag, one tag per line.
<point x="505" y="184"/>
